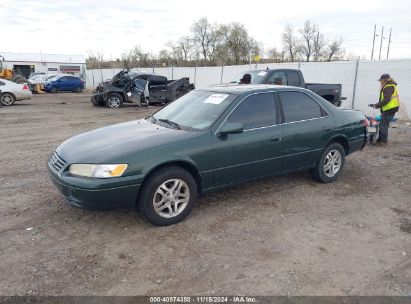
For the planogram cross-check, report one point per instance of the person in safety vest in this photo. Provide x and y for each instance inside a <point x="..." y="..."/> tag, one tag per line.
<point x="389" y="103"/>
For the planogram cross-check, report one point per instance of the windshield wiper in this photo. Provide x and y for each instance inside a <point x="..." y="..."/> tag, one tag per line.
<point x="169" y="122"/>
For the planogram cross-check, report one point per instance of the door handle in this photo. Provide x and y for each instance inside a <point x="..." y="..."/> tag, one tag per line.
<point x="274" y="139"/>
<point x="327" y="129"/>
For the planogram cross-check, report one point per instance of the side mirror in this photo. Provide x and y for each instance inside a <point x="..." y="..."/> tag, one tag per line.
<point x="231" y="128"/>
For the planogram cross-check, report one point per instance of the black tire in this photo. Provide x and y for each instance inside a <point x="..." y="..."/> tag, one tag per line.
<point x="7" y="99"/>
<point x="326" y="168"/>
<point x="53" y="90"/>
<point x="168" y="177"/>
<point x="78" y="90"/>
<point x="114" y="100"/>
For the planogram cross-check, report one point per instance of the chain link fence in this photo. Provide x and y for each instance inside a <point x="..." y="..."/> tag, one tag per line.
<point x="358" y="78"/>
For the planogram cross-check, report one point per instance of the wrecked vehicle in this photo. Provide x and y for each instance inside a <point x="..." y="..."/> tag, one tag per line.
<point x="130" y="86"/>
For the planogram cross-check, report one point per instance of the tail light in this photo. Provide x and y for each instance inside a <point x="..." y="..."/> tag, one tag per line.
<point x="82" y="81"/>
<point x="26" y="88"/>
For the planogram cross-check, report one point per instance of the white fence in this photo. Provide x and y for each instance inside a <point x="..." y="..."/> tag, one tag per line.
<point x="358" y="78"/>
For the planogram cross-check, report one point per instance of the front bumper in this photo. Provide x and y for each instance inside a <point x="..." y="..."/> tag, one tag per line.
<point x="95" y="193"/>
<point x="99" y="97"/>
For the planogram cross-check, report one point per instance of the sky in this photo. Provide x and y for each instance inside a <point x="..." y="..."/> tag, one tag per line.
<point x="112" y="27"/>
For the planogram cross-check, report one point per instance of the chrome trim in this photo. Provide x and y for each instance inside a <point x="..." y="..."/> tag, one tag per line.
<point x="291" y="122"/>
<point x="252" y="129"/>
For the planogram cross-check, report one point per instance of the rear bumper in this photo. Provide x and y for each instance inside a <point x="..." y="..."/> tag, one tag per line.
<point x="24" y="95"/>
<point x="357" y="145"/>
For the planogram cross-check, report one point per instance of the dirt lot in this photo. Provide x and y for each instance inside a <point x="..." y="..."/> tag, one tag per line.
<point x="279" y="236"/>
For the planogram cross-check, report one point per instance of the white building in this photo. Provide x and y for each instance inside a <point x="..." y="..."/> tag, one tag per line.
<point x="26" y="63"/>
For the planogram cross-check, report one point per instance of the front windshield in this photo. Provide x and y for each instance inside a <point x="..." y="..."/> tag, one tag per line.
<point x="256" y="76"/>
<point x="195" y="110"/>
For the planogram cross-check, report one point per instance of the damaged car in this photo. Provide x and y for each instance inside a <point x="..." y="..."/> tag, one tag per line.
<point x="129" y="86"/>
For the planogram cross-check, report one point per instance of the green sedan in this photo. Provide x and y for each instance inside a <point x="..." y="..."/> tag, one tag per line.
<point x="208" y="139"/>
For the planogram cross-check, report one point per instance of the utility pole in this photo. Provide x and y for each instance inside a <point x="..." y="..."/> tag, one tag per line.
<point x="373" y="42"/>
<point x="389" y="42"/>
<point x="382" y="37"/>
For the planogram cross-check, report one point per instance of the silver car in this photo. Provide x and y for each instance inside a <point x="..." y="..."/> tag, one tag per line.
<point x="10" y="92"/>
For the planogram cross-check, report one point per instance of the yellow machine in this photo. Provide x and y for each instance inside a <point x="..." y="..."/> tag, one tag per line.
<point x="5" y="73"/>
<point x="10" y="75"/>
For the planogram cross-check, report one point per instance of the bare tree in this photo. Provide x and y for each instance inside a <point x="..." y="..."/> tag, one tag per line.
<point x="94" y="59"/>
<point x="238" y="46"/>
<point x="182" y="50"/>
<point x="291" y="43"/>
<point x="308" y="33"/>
<point x="275" y="55"/>
<point x="126" y="61"/>
<point x="320" y="44"/>
<point x="334" y="50"/>
<point x="205" y="36"/>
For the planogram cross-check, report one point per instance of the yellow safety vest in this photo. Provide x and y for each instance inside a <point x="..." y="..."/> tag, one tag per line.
<point x="395" y="99"/>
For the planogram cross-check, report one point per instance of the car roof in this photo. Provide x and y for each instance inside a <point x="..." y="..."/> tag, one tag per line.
<point x="247" y="88"/>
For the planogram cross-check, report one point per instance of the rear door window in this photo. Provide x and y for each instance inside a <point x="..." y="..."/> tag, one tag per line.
<point x="298" y="106"/>
<point x="255" y="111"/>
<point x="294" y="79"/>
<point x="278" y="78"/>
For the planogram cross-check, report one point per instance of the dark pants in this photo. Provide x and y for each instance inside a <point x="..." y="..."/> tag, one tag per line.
<point x="384" y="125"/>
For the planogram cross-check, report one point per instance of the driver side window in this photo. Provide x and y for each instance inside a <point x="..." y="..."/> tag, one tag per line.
<point x="255" y="111"/>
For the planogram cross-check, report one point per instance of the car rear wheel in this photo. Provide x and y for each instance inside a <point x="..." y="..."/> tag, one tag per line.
<point x="78" y="90"/>
<point x="330" y="165"/>
<point x="168" y="196"/>
<point x="7" y="99"/>
<point x="53" y="90"/>
<point x="114" y="100"/>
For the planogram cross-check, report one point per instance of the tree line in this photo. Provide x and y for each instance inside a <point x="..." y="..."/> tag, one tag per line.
<point x="211" y="44"/>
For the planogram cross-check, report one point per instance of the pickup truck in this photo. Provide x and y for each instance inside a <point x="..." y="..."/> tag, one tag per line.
<point x="137" y="87"/>
<point x="293" y="77"/>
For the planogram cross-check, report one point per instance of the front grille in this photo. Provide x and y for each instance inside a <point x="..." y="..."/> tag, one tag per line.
<point x="56" y="162"/>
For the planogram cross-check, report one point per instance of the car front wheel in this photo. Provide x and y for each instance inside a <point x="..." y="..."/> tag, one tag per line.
<point x="168" y="196"/>
<point x="114" y="100"/>
<point x="330" y="165"/>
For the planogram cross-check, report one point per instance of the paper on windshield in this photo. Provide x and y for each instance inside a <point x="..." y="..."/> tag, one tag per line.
<point x="216" y="98"/>
<point x="262" y="73"/>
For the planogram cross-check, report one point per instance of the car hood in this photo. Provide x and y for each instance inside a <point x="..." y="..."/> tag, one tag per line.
<point x="116" y="142"/>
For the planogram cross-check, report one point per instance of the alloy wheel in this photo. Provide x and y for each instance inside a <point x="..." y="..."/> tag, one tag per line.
<point x="171" y="198"/>
<point x="7" y="99"/>
<point x="332" y="163"/>
<point x="113" y="102"/>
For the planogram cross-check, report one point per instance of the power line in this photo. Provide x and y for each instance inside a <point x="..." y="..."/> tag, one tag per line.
<point x="389" y="42"/>
<point x="373" y="42"/>
<point x="382" y="37"/>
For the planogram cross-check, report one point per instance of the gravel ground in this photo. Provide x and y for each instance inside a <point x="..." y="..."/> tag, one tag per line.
<point x="278" y="236"/>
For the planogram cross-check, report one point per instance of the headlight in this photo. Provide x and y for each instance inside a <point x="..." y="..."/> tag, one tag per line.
<point x="100" y="171"/>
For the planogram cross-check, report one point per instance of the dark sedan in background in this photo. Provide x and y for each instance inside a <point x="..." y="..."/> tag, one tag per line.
<point x="205" y="140"/>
